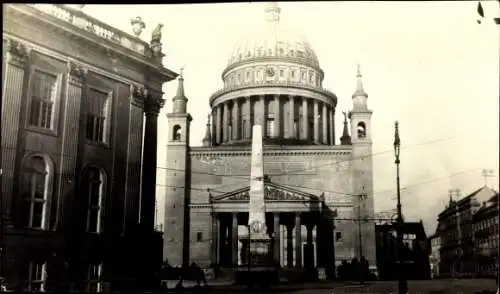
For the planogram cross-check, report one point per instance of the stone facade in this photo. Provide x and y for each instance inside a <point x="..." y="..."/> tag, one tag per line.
<point x="455" y="228"/>
<point x="75" y="94"/>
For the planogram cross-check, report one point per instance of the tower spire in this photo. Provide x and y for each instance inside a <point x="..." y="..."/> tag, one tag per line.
<point x="207" y="140"/>
<point x="180" y="99"/>
<point x="360" y="90"/>
<point x="345" y="139"/>
<point x="273" y="12"/>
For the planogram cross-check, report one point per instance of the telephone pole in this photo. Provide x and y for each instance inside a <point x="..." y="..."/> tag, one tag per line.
<point x="487" y="173"/>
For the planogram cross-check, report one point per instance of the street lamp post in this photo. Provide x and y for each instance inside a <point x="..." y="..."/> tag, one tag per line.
<point x="362" y="197"/>
<point x="402" y="283"/>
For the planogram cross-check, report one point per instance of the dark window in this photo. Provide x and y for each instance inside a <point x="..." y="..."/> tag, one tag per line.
<point x="95" y="193"/>
<point x="176" y="136"/>
<point x="97" y="114"/>
<point x="42" y="99"/>
<point x="361" y="130"/>
<point x="338" y="236"/>
<point x="199" y="236"/>
<point x="37" y="276"/>
<point x="36" y="192"/>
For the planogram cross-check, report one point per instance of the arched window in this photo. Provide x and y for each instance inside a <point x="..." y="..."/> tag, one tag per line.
<point x="361" y="130"/>
<point x="176" y="135"/>
<point x="37" y="174"/>
<point x="95" y="188"/>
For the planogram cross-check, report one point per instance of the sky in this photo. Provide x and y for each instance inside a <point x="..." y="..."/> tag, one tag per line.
<point x="429" y="65"/>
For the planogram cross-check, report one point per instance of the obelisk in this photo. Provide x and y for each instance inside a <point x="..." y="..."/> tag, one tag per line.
<point x="259" y="267"/>
<point x="257" y="207"/>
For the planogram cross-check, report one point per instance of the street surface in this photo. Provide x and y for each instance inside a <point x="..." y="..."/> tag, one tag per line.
<point x="441" y="286"/>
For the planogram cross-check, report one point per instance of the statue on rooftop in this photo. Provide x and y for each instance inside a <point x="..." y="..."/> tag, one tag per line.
<point x="138" y="25"/>
<point x="155" y="43"/>
<point x="156" y="34"/>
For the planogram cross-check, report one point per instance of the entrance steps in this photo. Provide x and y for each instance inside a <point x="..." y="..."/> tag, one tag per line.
<point x="291" y="275"/>
<point x="286" y="275"/>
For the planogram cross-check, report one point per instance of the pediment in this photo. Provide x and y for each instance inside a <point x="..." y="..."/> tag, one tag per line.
<point x="272" y="192"/>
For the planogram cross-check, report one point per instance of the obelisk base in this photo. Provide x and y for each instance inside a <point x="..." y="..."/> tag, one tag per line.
<point x="258" y="267"/>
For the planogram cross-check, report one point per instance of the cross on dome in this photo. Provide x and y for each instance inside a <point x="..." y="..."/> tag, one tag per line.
<point x="273" y="12"/>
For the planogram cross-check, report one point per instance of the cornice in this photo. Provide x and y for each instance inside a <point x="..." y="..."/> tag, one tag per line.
<point x="65" y="58"/>
<point x="75" y="32"/>
<point x="200" y="152"/>
<point x="272" y="84"/>
<point x="264" y="59"/>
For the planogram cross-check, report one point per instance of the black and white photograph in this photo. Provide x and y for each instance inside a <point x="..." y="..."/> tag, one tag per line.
<point x="251" y="147"/>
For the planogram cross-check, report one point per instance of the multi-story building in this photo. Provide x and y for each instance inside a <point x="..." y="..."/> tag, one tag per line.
<point x="455" y="228"/>
<point x="76" y="95"/>
<point x="435" y="242"/>
<point x="414" y="254"/>
<point x="486" y="238"/>
<point x="273" y="79"/>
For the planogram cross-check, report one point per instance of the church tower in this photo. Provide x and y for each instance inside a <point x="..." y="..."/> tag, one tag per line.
<point x="361" y="140"/>
<point x="176" y="227"/>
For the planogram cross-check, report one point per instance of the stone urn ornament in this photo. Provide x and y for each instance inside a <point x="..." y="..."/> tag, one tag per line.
<point x="138" y="25"/>
<point x="155" y="43"/>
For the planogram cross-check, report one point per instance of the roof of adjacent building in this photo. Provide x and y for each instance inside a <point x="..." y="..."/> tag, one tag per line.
<point x="476" y="197"/>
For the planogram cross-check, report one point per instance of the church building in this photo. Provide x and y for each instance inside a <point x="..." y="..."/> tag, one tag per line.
<point x="318" y="191"/>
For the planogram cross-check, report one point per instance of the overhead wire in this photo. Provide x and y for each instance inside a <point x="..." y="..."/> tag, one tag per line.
<point x="245" y="176"/>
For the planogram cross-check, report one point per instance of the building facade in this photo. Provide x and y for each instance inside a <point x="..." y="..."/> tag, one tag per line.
<point x="78" y="97"/>
<point x="486" y="238"/>
<point x="435" y="241"/>
<point x="415" y="252"/>
<point x="314" y="185"/>
<point x="455" y="228"/>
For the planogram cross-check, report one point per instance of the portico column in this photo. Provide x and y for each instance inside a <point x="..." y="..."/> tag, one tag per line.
<point x="248" y="115"/>
<point x="324" y="120"/>
<point x="298" y="241"/>
<point x="236" y="120"/>
<point x="225" y="123"/>
<point x="291" y="118"/>
<point x="332" y="126"/>
<point x="214" y="126"/>
<point x="277" y="116"/>
<point x="234" y="236"/>
<point x="153" y="104"/>
<point x="218" y="127"/>
<point x="289" y="244"/>
<point x="215" y="241"/>
<point x="305" y="119"/>
<point x="309" y="240"/>
<point x="276" y="243"/>
<point x="316" y="122"/>
<point x="262" y="114"/>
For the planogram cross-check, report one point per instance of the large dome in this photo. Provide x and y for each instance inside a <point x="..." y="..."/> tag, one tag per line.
<point x="273" y="41"/>
<point x="274" y="80"/>
<point x="277" y="42"/>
